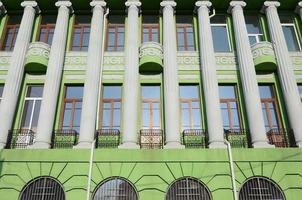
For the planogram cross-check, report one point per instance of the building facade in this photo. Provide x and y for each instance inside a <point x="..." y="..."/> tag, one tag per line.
<point x="162" y="99"/>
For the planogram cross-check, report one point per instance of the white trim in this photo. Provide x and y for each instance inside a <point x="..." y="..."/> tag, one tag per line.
<point x="228" y="34"/>
<point x="295" y="30"/>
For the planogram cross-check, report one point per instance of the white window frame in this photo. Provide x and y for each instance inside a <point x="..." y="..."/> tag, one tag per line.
<point x="257" y="36"/>
<point x="228" y="34"/>
<point x="295" y="30"/>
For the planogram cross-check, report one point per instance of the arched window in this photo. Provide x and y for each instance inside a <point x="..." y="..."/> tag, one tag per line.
<point x="260" y="188"/>
<point x="115" y="188"/>
<point x="187" y="189"/>
<point x="43" y="188"/>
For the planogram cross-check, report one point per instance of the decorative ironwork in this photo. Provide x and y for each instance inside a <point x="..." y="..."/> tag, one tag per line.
<point x="260" y="188"/>
<point x="278" y="137"/>
<point x="195" y="138"/>
<point x="20" y="138"/>
<point x="107" y="138"/>
<point x="151" y="139"/>
<point x="43" y="188"/>
<point x="64" y="138"/>
<point x="237" y="137"/>
<point x="188" y="189"/>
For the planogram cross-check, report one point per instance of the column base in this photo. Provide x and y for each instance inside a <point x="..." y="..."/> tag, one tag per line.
<point x="174" y="145"/>
<point x="2" y="145"/>
<point x="129" y="145"/>
<point x="39" y="145"/>
<point x="299" y="144"/>
<point x="83" y="145"/>
<point x="262" y="145"/>
<point x="217" y="145"/>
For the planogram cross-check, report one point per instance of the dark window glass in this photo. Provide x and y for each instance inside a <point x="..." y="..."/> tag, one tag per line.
<point x="150" y="30"/>
<point x="11" y="32"/>
<point x="81" y="32"/>
<point x="72" y="107"/>
<point x="1" y="91"/>
<point x="300" y="90"/>
<point x="185" y="33"/>
<point x="290" y="32"/>
<point x="115" y="33"/>
<point x="220" y="34"/>
<point x="229" y="105"/>
<point x="47" y="29"/>
<point x="253" y="29"/>
<point x="111" y="107"/>
<point x="190" y="107"/>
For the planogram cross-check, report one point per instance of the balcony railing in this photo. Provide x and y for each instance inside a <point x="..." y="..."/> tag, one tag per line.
<point x="107" y="138"/>
<point x="237" y="137"/>
<point x="194" y="138"/>
<point x="20" y="138"/>
<point x="64" y="138"/>
<point x="151" y="139"/>
<point x="278" y="137"/>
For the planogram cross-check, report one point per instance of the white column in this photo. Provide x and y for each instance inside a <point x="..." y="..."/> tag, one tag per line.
<point x="2" y="9"/>
<point x="53" y="77"/>
<point x="248" y="77"/>
<point x="299" y="9"/>
<point x="93" y="76"/>
<point x="285" y="70"/>
<point x="171" y="88"/>
<point x="209" y="78"/>
<point x="131" y="79"/>
<point x="16" y="70"/>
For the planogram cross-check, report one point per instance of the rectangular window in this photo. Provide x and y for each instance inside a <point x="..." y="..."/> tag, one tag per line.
<point x="150" y="30"/>
<point x="300" y="91"/>
<point x="47" y="29"/>
<point x="290" y="33"/>
<point x="1" y="91"/>
<point x="115" y="33"/>
<point x="253" y="29"/>
<point x="270" y="109"/>
<point x="190" y="107"/>
<point x="111" y="107"/>
<point x="151" y="107"/>
<point x="72" y="107"/>
<point x="230" y="108"/>
<point x="31" y="108"/>
<point x="185" y="33"/>
<point x="220" y="34"/>
<point x="81" y="32"/>
<point x="10" y="33"/>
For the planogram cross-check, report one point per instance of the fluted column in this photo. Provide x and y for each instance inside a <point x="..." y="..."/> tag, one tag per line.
<point x="131" y="79"/>
<point x="2" y="9"/>
<point x="285" y="70"/>
<point x="53" y="77"/>
<point x="93" y="76"/>
<point x="248" y="77"/>
<point x="16" y="70"/>
<point x="171" y="88"/>
<point x="209" y="78"/>
<point x="299" y="9"/>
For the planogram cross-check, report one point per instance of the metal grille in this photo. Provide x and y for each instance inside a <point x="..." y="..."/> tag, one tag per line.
<point x="151" y="138"/>
<point x="63" y="139"/>
<point x="237" y="137"/>
<point x="188" y="189"/>
<point x="260" y="188"/>
<point x="107" y="138"/>
<point x="195" y="138"/>
<point x="115" y="189"/>
<point x="20" y="138"/>
<point x="43" y="188"/>
<point x="278" y="137"/>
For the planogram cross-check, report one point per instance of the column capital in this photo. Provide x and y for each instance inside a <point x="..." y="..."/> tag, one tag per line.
<point x="206" y="4"/>
<point x="98" y="3"/>
<point x="2" y="9"/>
<point x="65" y="4"/>
<point x="236" y="5"/>
<point x="298" y="7"/>
<point x="270" y="4"/>
<point x="131" y="3"/>
<point x="31" y="4"/>
<point x="167" y="3"/>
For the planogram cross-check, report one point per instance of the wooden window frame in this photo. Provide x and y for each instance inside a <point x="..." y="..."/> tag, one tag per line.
<point x="15" y="33"/>
<point x="48" y="27"/>
<point x="116" y="27"/>
<point x="191" y="108"/>
<point x="185" y="37"/>
<point x="112" y="108"/>
<point x="150" y="102"/>
<point x="150" y="27"/>
<point x="82" y="28"/>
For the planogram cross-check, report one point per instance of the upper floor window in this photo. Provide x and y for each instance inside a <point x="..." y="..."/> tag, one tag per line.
<point x="81" y="32"/>
<point x="185" y="33"/>
<point x="270" y="109"/>
<point x="111" y="107"/>
<point x="72" y="107"/>
<point x="10" y="33"/>
<point x="1" y="91"/>
<point x="253" y="29"/>
<point x="150" y="30"/>
<point x="300" y="90"/>
<point x="47" y="29"/>
<point x="115" y="33"/>
<point x="220" y="34"/>
<point x="290" y="33"/>
<point x="190" y="107"/>
<point x="229" y="105"/>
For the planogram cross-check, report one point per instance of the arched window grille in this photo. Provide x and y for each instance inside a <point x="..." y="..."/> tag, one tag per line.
<point x="260" y="188"/>
<point x="115" y="188"/>
<point x="187" y="189"/>
<point x="43" y="188"/>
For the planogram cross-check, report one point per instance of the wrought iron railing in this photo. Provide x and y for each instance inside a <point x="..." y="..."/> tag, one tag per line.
<point x="64" y="138"/>
<point x="20" y="138"/>
<point x="107" y="138"/>
<point x="195" y="138"/>
<point x="278" y="137"/>
<point x="237" y="137"/>
<point x="151" y="138"/>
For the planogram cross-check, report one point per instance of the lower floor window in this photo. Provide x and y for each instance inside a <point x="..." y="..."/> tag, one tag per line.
<point x="300" y="91"/>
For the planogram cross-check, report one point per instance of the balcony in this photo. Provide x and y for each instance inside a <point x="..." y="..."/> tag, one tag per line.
<point x="195" y="138"/>
<point x="37" y="57"/>
<point x="151" y="58"/>
<point x="20" y="138"/>
<point x="107" y="138"/>
<point x="64" y="138"/>
<point x="264" y="56"/>
<point x="278" y="137"/>
<point x="151" y="139"/>
<point x="237" y="137"/>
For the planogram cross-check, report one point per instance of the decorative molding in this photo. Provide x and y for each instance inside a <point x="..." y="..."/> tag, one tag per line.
<point x="262" y="49"/>
<point x="113" y="77"/>
<point x="188" y="76"/>
<point x="298" y="76"/>
<point x="75" y="77"/>
<point x="150" y="77"/>
<point x="151" y="49"/>
<point x="38" y="49"/>
<point x="227" y="76"/>
<point x="296" y="58"/>
<point x="265" y="76"/>
<point x="36" y="77"/>
<point x="3" y="76"/>
<point x="113" y="68"/>
<point x="225" y="59"/>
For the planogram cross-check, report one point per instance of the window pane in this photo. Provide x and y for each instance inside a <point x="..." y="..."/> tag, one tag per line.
<point x="34" y="91"/>
<point x="28" y="107"/>
<point x="220" y="38"/>
<point x="36" y="113"/>
<point x="252" y="40"/>
<point x="300" y="90"/>
<point x="189" y="91"/>
<point x="265" y="91"/>
<point x="111" y="92"/>
<point x="150" y="92"/>
<point x="227" y="92"/>
<point x="75" y="92"/>
<point x="291" y="38"/>
<point x="1" y="90"/>
<point x="252" y="24"/>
